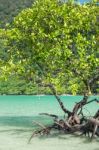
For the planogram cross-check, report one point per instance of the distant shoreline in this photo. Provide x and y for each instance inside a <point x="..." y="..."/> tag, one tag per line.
<point x="43" y="95"/>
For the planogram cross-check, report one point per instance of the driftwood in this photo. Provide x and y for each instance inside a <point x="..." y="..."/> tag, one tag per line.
<point x="74" y="121"/>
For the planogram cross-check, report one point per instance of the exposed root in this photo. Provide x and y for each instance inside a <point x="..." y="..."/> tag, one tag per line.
<point x="74" y="122"/>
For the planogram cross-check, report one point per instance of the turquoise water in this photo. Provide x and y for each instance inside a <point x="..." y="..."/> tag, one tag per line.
<point x="16" y="123"/>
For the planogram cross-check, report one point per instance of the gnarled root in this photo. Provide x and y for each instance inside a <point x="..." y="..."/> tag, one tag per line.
<point x="74" y="122"/>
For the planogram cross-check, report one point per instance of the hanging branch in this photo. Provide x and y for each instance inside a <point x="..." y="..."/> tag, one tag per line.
<point x="54" y="92"/>
<point x="50" y="115"/>
<point x="58" y="99"/>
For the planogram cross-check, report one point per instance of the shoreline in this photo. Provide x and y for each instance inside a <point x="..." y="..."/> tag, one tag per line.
<point x="44" y="95"/>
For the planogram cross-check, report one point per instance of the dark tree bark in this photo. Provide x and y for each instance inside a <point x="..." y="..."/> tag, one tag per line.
<point x="75" y="120"/>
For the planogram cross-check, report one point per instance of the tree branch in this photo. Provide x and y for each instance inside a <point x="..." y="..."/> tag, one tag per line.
<point x="58" y="99"/>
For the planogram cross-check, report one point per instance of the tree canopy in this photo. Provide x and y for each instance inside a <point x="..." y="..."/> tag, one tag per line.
<point x="10" y="8"/>
<point x="56" y="43"/>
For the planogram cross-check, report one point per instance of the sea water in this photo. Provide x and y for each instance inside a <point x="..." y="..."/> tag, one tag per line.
<point x="17" y="114"/>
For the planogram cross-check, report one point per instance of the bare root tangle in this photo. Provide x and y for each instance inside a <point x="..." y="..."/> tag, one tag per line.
<point x="75" y="121"/>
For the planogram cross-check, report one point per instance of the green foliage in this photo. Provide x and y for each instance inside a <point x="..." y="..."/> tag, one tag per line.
<point x="10" y="8"/>
<point x="57" y="42"/>
<point x="15" y="85"/>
